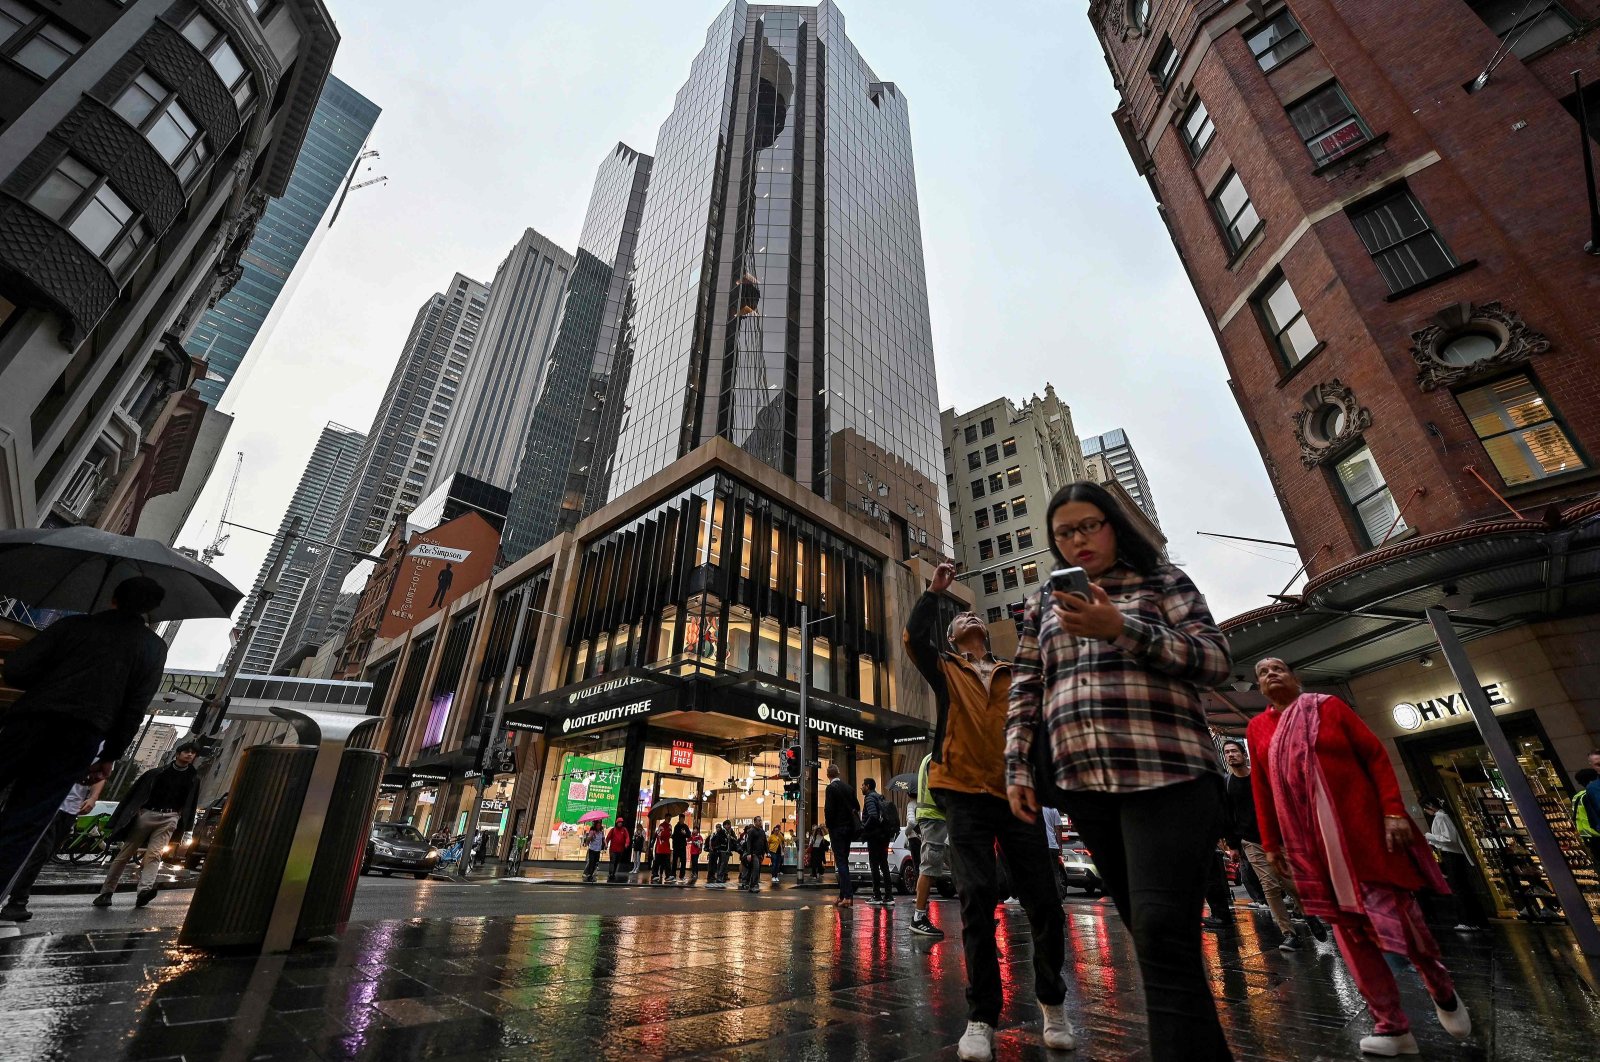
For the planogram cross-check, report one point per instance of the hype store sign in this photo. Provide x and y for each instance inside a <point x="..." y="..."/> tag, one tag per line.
<point x="1446" y="708"/>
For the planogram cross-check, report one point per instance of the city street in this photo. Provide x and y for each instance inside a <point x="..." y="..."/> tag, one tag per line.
<point x="568" y="971"/>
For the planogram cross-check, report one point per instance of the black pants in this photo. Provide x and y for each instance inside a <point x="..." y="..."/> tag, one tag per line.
<point x="1154" y="850"/>
<point x="661" y="867"/>
<point x="1219" y="897"/>
<point x="680" y="862"/>
<point x="976" y="824"/>
<point x="1458" y="872"/>
<point x="816" y="863"/>
<point x="840" y="840"/>
<point x="41" y="757"/>
<point x="591" y="862"/>
<point x="878" y="863"/>
<point x="750" y="872"/>
<point x="619" y="866"/>
<point x="22" y="884"/>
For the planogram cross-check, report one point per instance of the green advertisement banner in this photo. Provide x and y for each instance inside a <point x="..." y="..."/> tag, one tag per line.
<point x="586" y="785"/>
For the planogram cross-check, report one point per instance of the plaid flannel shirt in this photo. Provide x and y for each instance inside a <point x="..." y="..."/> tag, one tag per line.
<point x="1123" y="715"/>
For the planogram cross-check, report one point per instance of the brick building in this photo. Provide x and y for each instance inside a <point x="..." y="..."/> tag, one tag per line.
<point x="1383" y="210"/>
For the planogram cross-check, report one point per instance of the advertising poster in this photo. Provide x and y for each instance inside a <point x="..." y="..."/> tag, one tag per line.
<point x="439" y="566"/>
<point x="586" y="785"/>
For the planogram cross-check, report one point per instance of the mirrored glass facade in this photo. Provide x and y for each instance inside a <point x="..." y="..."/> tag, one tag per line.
<point x="781" y="297"/>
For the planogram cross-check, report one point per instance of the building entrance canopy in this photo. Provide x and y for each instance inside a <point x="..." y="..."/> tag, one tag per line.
<point x="1369" y="613"/>
<point x="624" y="696"/>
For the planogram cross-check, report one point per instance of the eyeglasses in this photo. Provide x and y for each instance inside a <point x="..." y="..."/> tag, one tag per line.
<point x="1087" y="528"/>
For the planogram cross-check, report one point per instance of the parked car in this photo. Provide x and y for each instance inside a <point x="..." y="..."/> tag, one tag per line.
<point x="901" y="867"/>
<point x="393" y="846"/>
<point x="206" y="821"/>
<point x="1078" y="870"/>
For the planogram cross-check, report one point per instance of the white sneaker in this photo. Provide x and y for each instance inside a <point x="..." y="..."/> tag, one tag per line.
<point x="1389" y="1046"/>
<point x="1458" y="1022"/>
<point x="1057" y="1028"/>
<point x="977" y="1043"/>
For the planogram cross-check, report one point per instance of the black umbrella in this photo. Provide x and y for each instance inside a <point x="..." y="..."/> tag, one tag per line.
<point x="668" y="808"/>
<point x="76" y="569"/>
<point x="903" y="783"/>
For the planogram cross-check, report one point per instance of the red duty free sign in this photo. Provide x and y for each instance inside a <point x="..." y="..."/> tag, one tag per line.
<point x="682" y="753"/>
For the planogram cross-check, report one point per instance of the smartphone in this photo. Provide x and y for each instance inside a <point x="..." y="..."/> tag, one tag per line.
<point x="1071" y="581"/>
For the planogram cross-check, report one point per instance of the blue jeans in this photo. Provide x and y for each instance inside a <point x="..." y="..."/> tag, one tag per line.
<point x="840" y="843"/>
<point x="41" y="758"/>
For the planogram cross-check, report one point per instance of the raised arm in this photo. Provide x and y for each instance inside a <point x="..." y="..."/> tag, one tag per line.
<point x="1188" y="645"/>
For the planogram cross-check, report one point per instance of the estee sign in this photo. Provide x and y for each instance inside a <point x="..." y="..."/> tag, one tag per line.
<point x="1411" y="716"/>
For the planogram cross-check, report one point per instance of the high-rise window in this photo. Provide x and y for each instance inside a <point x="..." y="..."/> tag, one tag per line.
<point x="1003" y="543"/>
<point x="1019" y="505"/>
<point x="1164" y="65"/>
<point x="1234" y="211"/>
<point x="1025" y="538"/>
<point x="213" y="44"/>
<point x="1196" y="128"/>
<point x="1030" y="570"/>
<point x="1525" y="27"/>
<point x="975" y="460"/>
<point x="1328" y="124"/>
<point x="996" y="481"/>
<point x="1000" y="515"/>
<point x="988" y="427"/>
<point x="1369" y="497"/>
<point x="1522" y="433"/>
<point x="1285" y="321"/>
<point x="985" y="548"/>
<point x="1014" y="475"/>
<point x="977" y="488"/>
<point x="980" y="516"/>
<point x="991" y="453"/>
<point x="154" y="110"/>
<point x="971" y="433"/>
<point x="1008" y="577"/>
<point x="995" y="612"/>
<point x="31" y="40"/>
<point x="1278" y="39"/>
<point x="1009" y="447"/>
<point x="1401" y="240"/>
<point x="991" y="584"/>
<point x="91" y="210"/>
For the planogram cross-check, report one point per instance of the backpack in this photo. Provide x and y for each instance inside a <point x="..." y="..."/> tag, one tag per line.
<point x="891" y="818"/>
<point x="1580" y="815"/>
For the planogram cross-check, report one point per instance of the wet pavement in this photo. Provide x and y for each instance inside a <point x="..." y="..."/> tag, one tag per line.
<point x="504" y="970"/>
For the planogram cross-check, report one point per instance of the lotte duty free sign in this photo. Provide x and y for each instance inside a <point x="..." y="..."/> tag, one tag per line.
<point x="682" y="753"/>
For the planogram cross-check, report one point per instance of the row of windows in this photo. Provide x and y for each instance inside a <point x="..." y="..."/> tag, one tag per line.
<point x="991" y="453"/>
<point x="1002" y="543"/>
<point x="1002" y="511"/>
<point x="998" y="481"/>
<point x="31" y="40"/>
<point x="1010" y="577"/>
<point x="971" y="432"/>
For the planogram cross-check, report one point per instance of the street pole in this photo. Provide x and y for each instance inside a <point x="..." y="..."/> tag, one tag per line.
<point x="492" y="746"/>
<point x="269" y="589"/>
<point x="805" y="770"/>
<point x="1579" y="917"/>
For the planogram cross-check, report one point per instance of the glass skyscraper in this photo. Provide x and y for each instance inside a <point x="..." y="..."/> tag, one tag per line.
<point x="224" y="333"/>
<point x="781" y="298"/>
<point x="574" y="425"/>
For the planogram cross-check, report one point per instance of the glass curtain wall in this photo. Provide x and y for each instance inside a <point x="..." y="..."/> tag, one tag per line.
<point x="405" y="701"/>
<point x="447" y="680"/>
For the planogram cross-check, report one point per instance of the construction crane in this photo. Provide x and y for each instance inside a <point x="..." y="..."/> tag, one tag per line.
<point x="220" y="541"/>
<point x="351" y="184"/>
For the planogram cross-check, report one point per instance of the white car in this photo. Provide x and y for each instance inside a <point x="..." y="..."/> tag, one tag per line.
<point x="901" y="867"/>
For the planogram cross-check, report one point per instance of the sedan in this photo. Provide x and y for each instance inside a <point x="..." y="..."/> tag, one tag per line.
<point x="395" y="846"/>
<point x="1078" y="870"/>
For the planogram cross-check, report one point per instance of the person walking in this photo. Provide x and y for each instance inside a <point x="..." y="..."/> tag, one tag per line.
<point x="841" y="813"/>
<point x="161" y="803"/>
<point x="80" y="801"/>
<point x="875" y="831"/>
<point x="1105" y="698"/>
<point x="1332" y="818"/>
<point x="661" y="867"/>
<point x="816" y="851"/>
<point x="1244" y="837"/>
<point x="720" y="848"/>
<point x="594" y="842"/>
<point x="966" y="777"/>
<point x="641" y="839"/>
<point x="680" y="851"/>
<point x="618" y="841"/>
<point x="87" y="682"/>
<point x="697" y="841"/>
<point x="755" y="847"/>
<point x="775" y="842"/>
<point x="1445" y="839"/>
<point x="934" y="861"/>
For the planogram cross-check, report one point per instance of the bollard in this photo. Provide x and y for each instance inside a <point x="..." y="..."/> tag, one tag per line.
<point x="288" y="851"/>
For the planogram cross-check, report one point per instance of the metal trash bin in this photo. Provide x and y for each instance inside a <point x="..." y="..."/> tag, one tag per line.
<point x="245" y="869"/>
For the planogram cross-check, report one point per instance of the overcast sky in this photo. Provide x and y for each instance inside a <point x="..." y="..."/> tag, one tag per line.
<point x="1046" y="259"/>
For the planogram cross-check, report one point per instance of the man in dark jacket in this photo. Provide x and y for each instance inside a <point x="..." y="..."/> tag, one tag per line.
<point x="841" y="812"/>
<point x="754" y="850"/>
<point x="875" y="828"/>
<point x="160" y="804"/>
<point x="87" y="682"/>
<point x="680" y="851"/>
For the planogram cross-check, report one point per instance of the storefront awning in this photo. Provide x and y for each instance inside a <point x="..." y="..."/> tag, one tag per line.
<point x="615" y="697"/>
<point x="1368" y="614"/>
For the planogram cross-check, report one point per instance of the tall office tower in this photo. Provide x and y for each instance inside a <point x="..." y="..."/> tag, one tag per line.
<point x="224" y="333"/>
<point x="486" y="429"/>
<point x="1111" y="457"/>
<point x="1004" y="464"/>
<point x="573" y="432"/>
<point x="316" y="502"/>
<point x="781" y="298"/>
<point x="399" y="454"/>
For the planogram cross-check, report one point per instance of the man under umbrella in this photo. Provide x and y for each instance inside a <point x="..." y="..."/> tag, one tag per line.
<point x="161" y="803"/>
<point x="87" y="682"/>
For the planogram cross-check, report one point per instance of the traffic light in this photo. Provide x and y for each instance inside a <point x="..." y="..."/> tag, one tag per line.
<point x="789" y="762"/>
<point x="791" y="790"/>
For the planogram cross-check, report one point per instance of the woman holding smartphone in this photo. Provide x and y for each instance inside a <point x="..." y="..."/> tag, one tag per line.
<point x="1108" y="672"/>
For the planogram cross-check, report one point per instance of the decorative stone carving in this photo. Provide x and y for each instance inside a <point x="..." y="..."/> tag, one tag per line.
<point x="1112" y="15"/>
<point x="1330" y="419"/>
<point x="1515" y="343"/>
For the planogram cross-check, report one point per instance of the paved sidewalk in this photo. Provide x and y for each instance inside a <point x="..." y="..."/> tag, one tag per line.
<point x="806" y="983"/>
